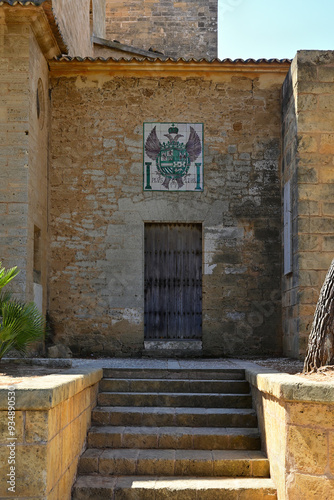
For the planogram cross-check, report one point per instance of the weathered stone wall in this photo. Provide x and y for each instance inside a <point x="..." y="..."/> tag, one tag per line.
<point x="74" y="23"/>
<point x="51" y="425"/>
<point x="37" y="249"/>
<point x="297" y="430"/>
<point x="14" y="143"/>
<point x="24" y="156"/>
<point x="271" y="414"/>
<point x="98" y="207"/>
<point x="311" y="166"/>
<point x="178" y="29"/>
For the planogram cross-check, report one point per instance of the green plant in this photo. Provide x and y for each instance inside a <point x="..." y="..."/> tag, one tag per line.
<point x="20" y="324"/>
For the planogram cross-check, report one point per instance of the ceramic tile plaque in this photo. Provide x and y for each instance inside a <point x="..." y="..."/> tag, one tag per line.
<point x="173" y="157"/>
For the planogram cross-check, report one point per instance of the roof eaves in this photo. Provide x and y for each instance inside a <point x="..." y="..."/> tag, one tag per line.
<point x="52" y="19"/>
<point x="35" y="3"/>
<point x="163" y="59"/>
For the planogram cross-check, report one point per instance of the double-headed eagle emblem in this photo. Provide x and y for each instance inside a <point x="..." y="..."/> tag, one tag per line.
<point x="173" y="158"/>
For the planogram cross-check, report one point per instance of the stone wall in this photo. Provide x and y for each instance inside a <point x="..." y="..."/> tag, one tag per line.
<point x="24" y="158"/>
<point x="178" y="29"/>
<point x="272" y="423"/>
<point x="98" y="207"/>
<point x="51" y="426"/>
<point x="37" y="249"/>
<point x="297" y="429"/>
<point x="14" y="143"/>
<point x="309" y="149"/>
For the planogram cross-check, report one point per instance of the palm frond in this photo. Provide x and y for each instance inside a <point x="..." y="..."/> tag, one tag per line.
<point x="20" y="324"/>
<point x="7" y="275"/>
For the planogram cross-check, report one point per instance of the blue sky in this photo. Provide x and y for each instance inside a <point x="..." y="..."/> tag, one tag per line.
<point x="274" y="28"/>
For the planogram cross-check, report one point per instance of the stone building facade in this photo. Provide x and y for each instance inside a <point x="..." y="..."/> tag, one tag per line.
<point x="75" y="214"/>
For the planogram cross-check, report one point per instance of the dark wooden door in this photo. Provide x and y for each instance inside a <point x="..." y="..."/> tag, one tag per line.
<point x="173" y="281"/>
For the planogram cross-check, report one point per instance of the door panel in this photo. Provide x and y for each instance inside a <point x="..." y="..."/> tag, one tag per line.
<point x="173" y="281"/>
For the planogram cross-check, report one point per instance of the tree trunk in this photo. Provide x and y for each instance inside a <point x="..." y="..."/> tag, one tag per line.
<point x="320" y="350"/>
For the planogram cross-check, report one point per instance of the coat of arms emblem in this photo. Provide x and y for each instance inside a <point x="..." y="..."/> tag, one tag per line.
<point x="176" y="163"/>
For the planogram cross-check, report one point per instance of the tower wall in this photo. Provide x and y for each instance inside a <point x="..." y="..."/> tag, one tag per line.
<point x="178" y="29"/>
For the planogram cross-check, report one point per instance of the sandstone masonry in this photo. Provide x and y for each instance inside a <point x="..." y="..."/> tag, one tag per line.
<point x="98" y="207"/>
<point x="178" y="29"/>
<point x="308" y="143"/>
<point x="72" y="205"/>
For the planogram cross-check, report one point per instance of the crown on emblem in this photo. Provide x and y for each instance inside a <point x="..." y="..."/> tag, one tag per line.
<point x="173" y="129"/>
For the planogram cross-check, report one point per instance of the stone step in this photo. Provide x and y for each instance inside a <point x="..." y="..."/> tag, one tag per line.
<point x="193" y="438"/>
<point x="233" y="463"/>
<point x="176" y="386"/>
<point x="92" y="487"/>
<point x="195" y="400"/>
<point x="191" y="374"/>
<point x="163" y="416"/>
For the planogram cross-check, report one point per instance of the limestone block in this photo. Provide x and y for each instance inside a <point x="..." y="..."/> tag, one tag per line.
<point x="326" y="74"/>
<point x="327" y="173"/>
<point x="19" y="426"/>
<point x="55" y="461"/>
<point x="54" y="421"/>
<point x="66" y="481"/>
<point x="64" y="414"/>
<point x="59" y="351"/>
<point x="311" y="415"/>
<point x="307" y="450"/>
<point x="313" y="260"/>
<point x="331" y="451"/>
<point x="328" y="243"/>
<point x="307" y="102"/>
<point x="31" y="467"/>
<point x="307" y="174"/>
<point x="326" y="102"/>
<point x="309" y="242"/>
<point x="36" y="426"/>
<point x="308" y="486"/>
<point x="316" y="225"/>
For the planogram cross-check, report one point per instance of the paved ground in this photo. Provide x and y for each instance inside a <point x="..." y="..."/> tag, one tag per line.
<point x="46" y="366"/>
<point x="159" y="363"/>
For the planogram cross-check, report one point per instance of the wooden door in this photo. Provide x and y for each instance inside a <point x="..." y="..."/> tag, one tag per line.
<point x="173" y="281"/>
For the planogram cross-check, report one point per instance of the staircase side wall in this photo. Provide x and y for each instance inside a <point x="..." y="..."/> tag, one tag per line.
<point x="296" y="422"/>
<point x="51" y="426"/>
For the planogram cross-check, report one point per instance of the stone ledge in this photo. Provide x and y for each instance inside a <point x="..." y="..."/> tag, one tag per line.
<point x="287" y="387"/>
<point x="43" y="393"/>
<point x="178" y="345"/>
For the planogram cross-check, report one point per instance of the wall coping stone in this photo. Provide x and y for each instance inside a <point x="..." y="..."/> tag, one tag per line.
<point x="287" y="387"/>
<point x="47" y="391"/>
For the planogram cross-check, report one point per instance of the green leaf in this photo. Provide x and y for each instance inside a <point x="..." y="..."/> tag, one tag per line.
<point x="20" y="324"/>
<point x="7" y="275"/>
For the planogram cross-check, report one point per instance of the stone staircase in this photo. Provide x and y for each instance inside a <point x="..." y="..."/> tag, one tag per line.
<point x="174" y="434"/>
